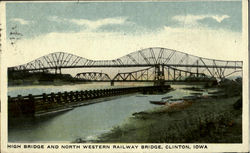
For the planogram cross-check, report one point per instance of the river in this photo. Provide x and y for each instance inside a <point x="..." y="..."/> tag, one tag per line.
<point x="86" y="122"/>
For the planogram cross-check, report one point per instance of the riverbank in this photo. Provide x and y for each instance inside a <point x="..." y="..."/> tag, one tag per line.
<point x="27" y="83"/>
<point x="201" y="121"/>
<point x="216" y="118"/>
<point x="40" y="78"/>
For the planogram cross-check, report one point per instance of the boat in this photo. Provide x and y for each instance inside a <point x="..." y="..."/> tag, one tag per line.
<point x="189" y="97"/>
<point x="174" y="101"/>
<point x="168" y="101"/>
<point x="167" y="97"/>
<point x="157" y="102"/>
<point x="216" y="92"/>
<point x="197" y="93"/>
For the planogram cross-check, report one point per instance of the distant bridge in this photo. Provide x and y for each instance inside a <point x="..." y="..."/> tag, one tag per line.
<point x="144" y="75"/>
<point x="149" y="64"/>
<point x="93" y="76"/>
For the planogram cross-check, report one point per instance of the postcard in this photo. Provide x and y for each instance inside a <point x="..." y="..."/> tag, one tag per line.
<point x="115" y="76"/>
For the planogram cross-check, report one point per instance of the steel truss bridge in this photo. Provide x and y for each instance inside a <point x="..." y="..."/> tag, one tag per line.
<point x="149" y="65"/>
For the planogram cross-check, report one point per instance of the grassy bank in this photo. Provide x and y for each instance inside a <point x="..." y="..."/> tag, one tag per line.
<point x="204" y="121"/>
<point x="215" y="119"/>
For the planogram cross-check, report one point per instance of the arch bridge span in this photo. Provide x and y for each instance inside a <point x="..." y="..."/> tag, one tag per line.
<point x="161" y="60"/>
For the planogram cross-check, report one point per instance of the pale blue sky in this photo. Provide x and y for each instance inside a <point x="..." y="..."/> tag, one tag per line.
<point x="108" y="30"/>
<point x="34" y="19"/>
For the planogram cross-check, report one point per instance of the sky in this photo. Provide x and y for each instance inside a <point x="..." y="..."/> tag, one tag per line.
<point x="109" y="30"/>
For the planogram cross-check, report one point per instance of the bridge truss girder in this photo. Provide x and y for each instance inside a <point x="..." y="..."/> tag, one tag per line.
<point x="150" y="57"/>
<point x="150" y="74"/>
<point x="93" y="76"/>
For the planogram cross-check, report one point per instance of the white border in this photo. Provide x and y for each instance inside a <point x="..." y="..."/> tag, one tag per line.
<point x="211" y="147"/>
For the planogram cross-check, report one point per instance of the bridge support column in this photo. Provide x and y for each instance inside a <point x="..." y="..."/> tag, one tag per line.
<point x="168" y="74"/>
<point x="174" y="74"/>
<point x="162" y="73"/>
<point x="159" y="72"/>
<point x="59" y="69"/>
<point x="112" y="83"/>
<point x="197" y="70"/>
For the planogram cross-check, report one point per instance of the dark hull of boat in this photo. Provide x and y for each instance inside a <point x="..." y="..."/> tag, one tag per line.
<point x="157" y="102"/>
<point x="167" y="97"/>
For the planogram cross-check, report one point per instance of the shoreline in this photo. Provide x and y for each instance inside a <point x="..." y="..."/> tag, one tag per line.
<point x="48" y="84"/>
<point x="200" y="121"/>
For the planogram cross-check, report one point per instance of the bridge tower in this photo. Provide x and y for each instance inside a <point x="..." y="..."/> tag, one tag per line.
<point x="59" y="69"/>
<point x="159" y="75"/>
<point x="112" y="82"/>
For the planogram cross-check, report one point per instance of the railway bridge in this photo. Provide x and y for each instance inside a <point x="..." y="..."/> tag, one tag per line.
<point x="146" y="65"/>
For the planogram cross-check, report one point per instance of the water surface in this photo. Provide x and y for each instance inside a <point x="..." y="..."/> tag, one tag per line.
<point x="86" y="122"/>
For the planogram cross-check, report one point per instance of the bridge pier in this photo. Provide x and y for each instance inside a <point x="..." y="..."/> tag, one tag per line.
<point x="59" y="69"/>
<point x="112" y="83"/>
<point x="197" y="69"/>
<point x="159" y="72"/>
<point x="159" y="83"/>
